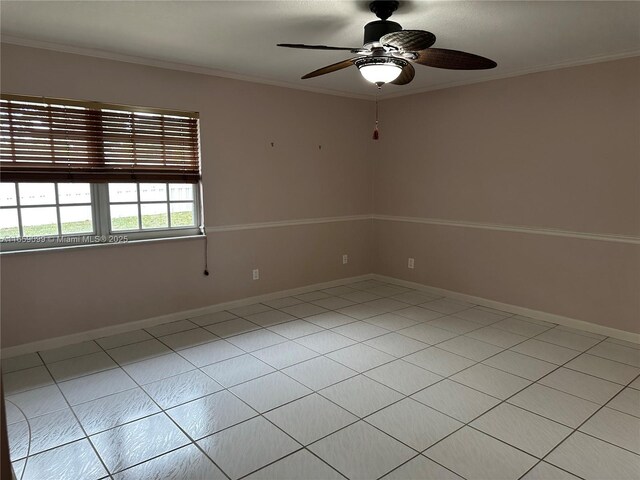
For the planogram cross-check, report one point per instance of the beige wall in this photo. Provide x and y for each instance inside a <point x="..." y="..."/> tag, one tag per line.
<point x="558" y="149"/>
<point x="552" y="150"/>
<point x="245" y="179"/>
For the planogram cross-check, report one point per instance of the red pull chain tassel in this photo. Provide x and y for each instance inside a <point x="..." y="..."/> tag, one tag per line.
<point x="376" y="134"/>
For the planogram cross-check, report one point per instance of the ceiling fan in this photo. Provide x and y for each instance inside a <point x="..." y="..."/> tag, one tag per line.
<point x="388" y="51"/>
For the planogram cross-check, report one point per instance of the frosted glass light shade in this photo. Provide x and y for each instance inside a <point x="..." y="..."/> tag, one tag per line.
<point x="380" y="72"/>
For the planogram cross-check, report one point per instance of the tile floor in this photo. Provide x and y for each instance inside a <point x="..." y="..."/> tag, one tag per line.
<point x="364" y="381"/>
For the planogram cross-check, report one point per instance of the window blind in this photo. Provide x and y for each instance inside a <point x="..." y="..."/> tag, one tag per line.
<point x="53" y="140"/>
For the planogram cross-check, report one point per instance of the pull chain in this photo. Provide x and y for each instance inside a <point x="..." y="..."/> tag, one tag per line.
<point x="376" y="134"/>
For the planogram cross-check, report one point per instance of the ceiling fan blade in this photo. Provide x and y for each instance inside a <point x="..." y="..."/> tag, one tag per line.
<point x="453" y="59"/>
<point x="315" y="47"/>
<point x="407" y="74"/>
<point x="408" y="40"/>
<point x="331" y="68"/>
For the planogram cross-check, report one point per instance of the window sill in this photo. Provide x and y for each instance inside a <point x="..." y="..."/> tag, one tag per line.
<point x="64" y="248"/>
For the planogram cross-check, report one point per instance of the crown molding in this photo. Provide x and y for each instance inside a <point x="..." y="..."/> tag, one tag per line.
<point x="149" y="62"/>
<point x="89" y="52"/>
<point x="519" y="73"/>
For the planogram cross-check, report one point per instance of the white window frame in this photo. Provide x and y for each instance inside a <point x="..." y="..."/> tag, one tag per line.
<point x="102" y="233"/>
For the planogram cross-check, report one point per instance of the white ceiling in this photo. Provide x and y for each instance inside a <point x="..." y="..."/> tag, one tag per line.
<point x="239" y="37"/>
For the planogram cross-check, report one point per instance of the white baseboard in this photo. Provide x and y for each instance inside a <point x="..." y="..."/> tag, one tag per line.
<point x="527" y="312"/>
<point x="171" y="317"/>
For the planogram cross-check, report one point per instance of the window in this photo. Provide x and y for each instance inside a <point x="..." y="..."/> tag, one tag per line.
<point x="74" y="173"/>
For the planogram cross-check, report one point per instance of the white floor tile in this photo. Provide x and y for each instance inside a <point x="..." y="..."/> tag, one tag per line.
<point x="545" y="471"/>
<point x="427" y="333"/>
<point x="567" y="339"/>
<point x="181" y="388"/>
<point x="362" y="452"/>
<point x="391" y="321"/>
<point x="627" y="401"/>
<point x="129" y="444"/>
<point x="249" y="309"/>
<point x="396" y="345"/>
<point x="211" y="318"/>
<point x="497" y="336"/>
<point x="310" y="418"/>
<point x="114" y="410"/>
<point x="593" y="459"/>
<point x="139" y="351"/>
<point x="256" y="340"/>
<point x="46" y="432"/>
<point x="172" y="327"/>
<point x="446" y="306"/>
<point x="520" y="327"/>
<point x="455" y="324"/>
<point x="68" y="462"/>
<point x="94" y="386"/>
<point x="181" y="464"/>
<point x="418" y="314"/>
<point x="308" y="297"/>
<point x="554" y="404"/>
<point x="262" y="443"/>
<point x="303" y="310"/>
<point x="456" y="400"/>
<point x="36" y="402"/>
<point x="545" y="351"/>
<point x="413" y="423"/>
<point x="606" y="369"/>
<point x="522" y="429"/>
<point x="361" y="311"/>
<point x="296" y="328"/>
<point x="189" y="338"/>
<point x="360" y="296"/>
<point x="402" y="376"/>
<point x="470" y="348"/>
<point x="237" y="370"/>
<point x="360" y="357"/>
<point x="319" y="372"/>
<point x="521" y="365"/>
<point x="70" y="351"/>
<point x="491" y="381"/>
<point x="476" y="456"/>
<point x="360" y="331"/>
<point x="479" y="315"/>
<point x="333" y="303"/>
<point x="270" y="391"/>
<point x="439" y="361"/>
<point x="26" y="379"/>
<point x="80" y="366"/>
<point x="282" y="302"/>
<point x="20" y="362"/>
<point x="126" y="338"/>
<point x="158" y="368"/>
<point x="420" y="468"/>
<point x="210" y="414"/>
<point x="325" y="342"/>
<point x="284" y="354"/>
<point x="615" y="427"/>
<point x="271" y="317"/>
<point x="300" y="465"/>
<point x="213" y="352"/>
<point x="361" y="395"/>
<point x="387" y="290"/>
<point x="329" y="320"/>
<point x="340" y="290"/>
<point x="414" y="297"/>
<point x="233" y="327"/>
<point x="581" y="385"/>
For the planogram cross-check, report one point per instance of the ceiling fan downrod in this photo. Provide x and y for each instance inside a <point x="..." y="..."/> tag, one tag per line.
<point x="382" y="9"/>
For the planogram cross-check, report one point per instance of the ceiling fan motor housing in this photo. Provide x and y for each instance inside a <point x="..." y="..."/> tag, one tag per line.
<point x="374" y="30"/>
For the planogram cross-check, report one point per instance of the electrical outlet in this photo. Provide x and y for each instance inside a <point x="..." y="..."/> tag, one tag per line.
<point x="411" y="263"/>
<point x="256" y="274"/>
<point x="345" y="259"/>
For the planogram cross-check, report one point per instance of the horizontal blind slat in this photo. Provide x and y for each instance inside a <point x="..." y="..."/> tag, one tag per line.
<point x="45" y="142"/>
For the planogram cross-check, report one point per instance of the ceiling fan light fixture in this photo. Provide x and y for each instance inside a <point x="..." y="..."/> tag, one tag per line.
<point x="380" y="70"/>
